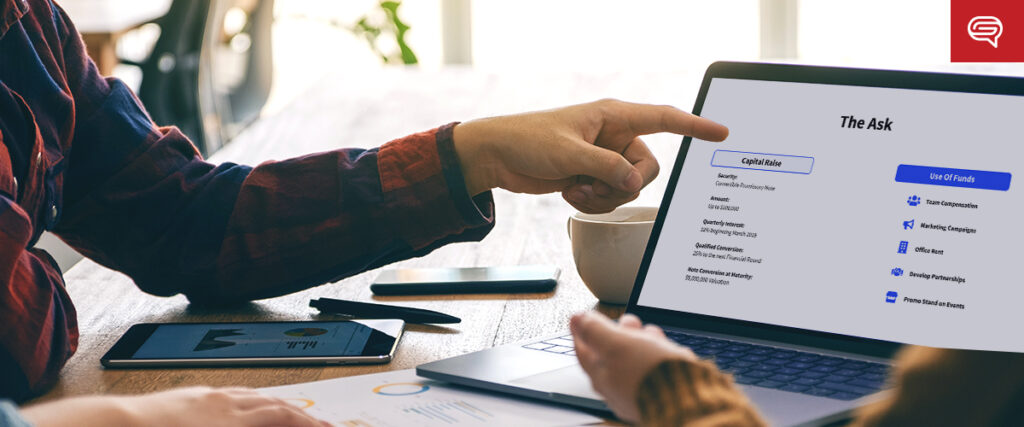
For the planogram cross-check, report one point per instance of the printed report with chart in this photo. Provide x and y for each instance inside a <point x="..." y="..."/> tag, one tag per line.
<point x="400" y="398"/>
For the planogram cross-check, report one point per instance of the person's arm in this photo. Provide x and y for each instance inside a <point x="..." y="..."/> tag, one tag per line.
<point x="647" y="379"/>
<point x="951" y="387"/>
<point x="139" y="199"/>
<point x="693" y="393"/>
<point x="227" y="407"/>
<point x="39" y="331"/>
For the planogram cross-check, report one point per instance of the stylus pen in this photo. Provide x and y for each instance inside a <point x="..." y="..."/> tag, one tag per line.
<point x="365" y="310"/>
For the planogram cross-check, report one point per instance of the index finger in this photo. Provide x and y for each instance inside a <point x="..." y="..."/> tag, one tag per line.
<point x="645" y="119"/>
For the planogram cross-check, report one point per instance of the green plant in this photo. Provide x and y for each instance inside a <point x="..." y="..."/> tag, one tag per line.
<point x="392" y="25"/>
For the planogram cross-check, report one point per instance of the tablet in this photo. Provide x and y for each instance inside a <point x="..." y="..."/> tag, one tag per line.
<point x="256" y="343"/>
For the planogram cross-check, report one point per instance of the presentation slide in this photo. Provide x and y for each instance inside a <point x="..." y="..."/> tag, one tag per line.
<point x="874" y="212"/>
<point x="289" y="339"/>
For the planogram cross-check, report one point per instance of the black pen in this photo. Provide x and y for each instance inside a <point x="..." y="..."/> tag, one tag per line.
<point x="365" y="310"/>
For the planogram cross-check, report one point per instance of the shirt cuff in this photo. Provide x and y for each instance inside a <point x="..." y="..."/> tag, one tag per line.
<point x="10" y="417"/>
<point x="424" y="193"/>
<point x="476" y="211"/>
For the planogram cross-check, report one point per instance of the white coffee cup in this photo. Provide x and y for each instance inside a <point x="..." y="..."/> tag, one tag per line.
<point x="608" y="249"/>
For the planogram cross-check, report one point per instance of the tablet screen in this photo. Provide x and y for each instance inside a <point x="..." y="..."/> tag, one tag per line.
<point x="249" y="340"/>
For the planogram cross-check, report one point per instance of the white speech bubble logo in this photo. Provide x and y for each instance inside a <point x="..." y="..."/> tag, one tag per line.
<point x="985" y="28"/>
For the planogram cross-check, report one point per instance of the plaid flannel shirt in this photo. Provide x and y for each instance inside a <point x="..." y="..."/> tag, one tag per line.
<point x="80" y="157"/>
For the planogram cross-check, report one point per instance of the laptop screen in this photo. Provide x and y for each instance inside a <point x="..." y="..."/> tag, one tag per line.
<point x="883" y="213"/>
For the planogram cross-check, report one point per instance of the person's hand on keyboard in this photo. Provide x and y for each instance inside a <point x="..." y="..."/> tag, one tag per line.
<point x="617" y="356"/>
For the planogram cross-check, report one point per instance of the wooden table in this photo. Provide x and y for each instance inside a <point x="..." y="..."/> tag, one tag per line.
<point x="343" y="110"/>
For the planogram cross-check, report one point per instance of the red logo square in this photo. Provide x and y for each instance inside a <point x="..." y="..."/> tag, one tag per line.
<point x="986" y="31"/>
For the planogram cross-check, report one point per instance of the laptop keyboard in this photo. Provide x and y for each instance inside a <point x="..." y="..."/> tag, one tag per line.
<point x="771" y="367"/>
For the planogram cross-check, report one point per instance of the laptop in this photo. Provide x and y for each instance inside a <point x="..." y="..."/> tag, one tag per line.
<point x="849" y="211"/>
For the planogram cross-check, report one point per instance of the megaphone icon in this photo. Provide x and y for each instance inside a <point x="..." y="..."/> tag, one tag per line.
<point x="908" y="225"/>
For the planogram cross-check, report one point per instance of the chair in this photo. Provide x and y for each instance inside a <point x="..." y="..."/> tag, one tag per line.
<point x="209" y="83"/>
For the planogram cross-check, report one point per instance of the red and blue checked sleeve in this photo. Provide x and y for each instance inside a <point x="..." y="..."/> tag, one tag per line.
<point x="223" y="234"/>
<point x="40" y="330"/>
<point x="319" y="218"/>
<point x="138" y="198"/>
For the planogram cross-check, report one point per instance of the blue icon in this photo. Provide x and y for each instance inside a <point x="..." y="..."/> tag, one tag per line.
<point x="908" y="225"/>
<point x="897" y="272"/>
<point x="890" y="297"/>
<point x="913" y="200"/>
<point x="903" y="247"/>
